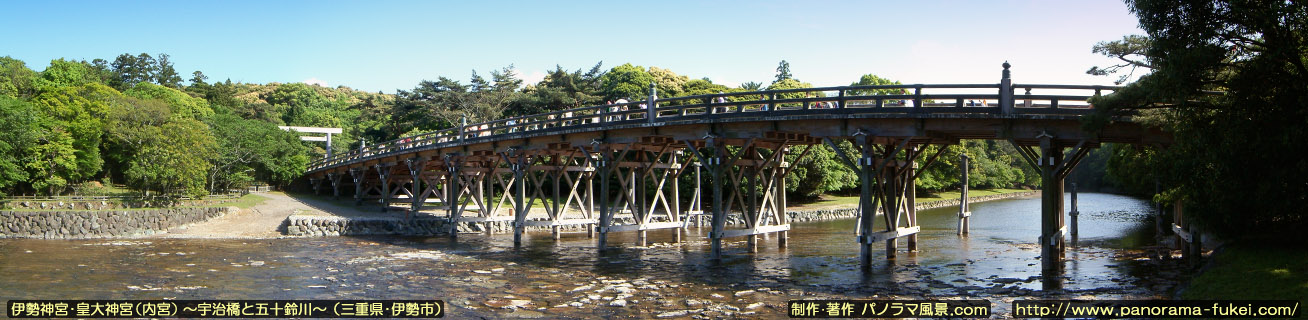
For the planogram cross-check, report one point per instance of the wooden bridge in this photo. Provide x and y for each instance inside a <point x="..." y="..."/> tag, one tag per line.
<point x="735" y="145"/>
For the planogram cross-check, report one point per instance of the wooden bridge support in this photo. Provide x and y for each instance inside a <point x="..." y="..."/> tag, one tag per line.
<point x="561" y="177"/>
<point x="751" y="179"/>
<point x="358" y="175"/>
<point x="316" y="183"/>
<point x="1072" y="215"/>
<point x="518" y="166"/>
<point x="454" y="193"/>
<point x="964" y="212"/>
<point x="384" y="180"/>
<point x="646" y="172"/>
<point x="1186" y="234"/>
<point x="416" y="194"/>
<point x="336" y="184"/>
<point x="888" y="191"/>
<point x="1054" y="168"/>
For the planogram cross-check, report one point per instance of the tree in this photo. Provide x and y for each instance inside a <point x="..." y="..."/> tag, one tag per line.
<point x="165" y="75"/>
<point x="129" y="70"/>
<point x="783" y="71"/>
<point x="199" y="88"/>
<point x="52" y="160"/>
<point x="560" y="90"/>
<point x="177" y="162"/>
<point x="446" y="102"/>
<point x="182" y="104"/>
<point x="18" y="134"/>
<point x="751" y="86"/>
<point x="819" y="172"/>
<point x="668" y="83"/>
<point x="131" y="124"/>
<point x="626" y="81"/>
<point x="76" y="111"/>
<point x="1130" y="51"/>
<point x="16" y="80"/>
<point x="874" y="80"/>
<point x="64" y="73"/>
<point x="251" y="149"/>
<point x="790" y="84"/>
<point x="1229" y="161"/>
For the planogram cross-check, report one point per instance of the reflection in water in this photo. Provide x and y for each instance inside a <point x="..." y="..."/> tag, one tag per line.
<point x="998" y="260"/>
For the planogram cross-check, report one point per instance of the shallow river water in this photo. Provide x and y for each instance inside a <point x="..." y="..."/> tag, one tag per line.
<point x="487" y="277"/>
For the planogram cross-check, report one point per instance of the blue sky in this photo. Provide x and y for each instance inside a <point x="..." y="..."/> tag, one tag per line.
<point x="389" y="45"/>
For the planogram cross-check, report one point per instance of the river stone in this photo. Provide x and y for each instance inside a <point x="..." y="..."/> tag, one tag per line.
<point x="673" y="314"/>
<point x="618" y="303"/>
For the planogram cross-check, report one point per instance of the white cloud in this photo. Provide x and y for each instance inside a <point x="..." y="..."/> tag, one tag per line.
<point x="315" y="81"/>
<point x="530" y="78"/>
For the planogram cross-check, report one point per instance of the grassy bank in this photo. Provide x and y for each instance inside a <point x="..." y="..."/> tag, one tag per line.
<point x="1253" y="272"/>
<point x="830" y="201"/>
<point x="247" y="201"/>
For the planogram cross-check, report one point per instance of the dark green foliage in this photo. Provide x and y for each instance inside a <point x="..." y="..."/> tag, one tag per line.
<point x="16" y="80"/>
<point x="17" y="136"/>
<point x="165" y="74"/>
<point x="783" y="72"/>
<point x="130" y="70"/>
<point x="626" y="81"/>
<point x="819" y="172"/>
<point x="560" y="90"/>
<point x="1130" y="50"/>
<point x="250" y="150"/>
<point x="154" y="134"/>
<point x="1234" y="161"/>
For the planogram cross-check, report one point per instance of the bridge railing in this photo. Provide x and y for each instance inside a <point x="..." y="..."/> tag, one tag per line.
<point x="1027" y="99"/>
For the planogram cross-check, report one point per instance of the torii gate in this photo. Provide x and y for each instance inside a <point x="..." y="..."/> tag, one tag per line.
<point x="328" y="138"/>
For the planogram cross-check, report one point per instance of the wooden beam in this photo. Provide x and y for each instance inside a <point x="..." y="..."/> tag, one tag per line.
<point x="876" y="237"/>
<point x="756" y="230"/>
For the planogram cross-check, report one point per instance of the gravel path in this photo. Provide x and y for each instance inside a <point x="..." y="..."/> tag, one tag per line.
<point x="262" y="220"/>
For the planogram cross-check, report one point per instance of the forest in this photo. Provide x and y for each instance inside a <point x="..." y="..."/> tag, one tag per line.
<point x="78" y="126"/>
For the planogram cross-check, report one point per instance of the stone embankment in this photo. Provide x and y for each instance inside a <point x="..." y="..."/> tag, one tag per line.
<point x="311" y="225"/>
<point x="109" y="204"/>
<point x="850" y="213"/>
<point x="88" y="224"/>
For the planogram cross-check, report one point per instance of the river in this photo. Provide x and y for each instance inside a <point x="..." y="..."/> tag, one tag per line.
<point x="487" y="277"/>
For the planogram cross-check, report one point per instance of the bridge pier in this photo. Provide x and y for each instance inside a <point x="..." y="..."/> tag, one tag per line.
<point x="1054" y="168"/>
<point x="518" y="165"/>
<point x="1072" y="215"/>
<point x="336" y="184"/>
<point x="1187" y="236"/>
<point x="454" y="199"/>
<point x="761" y="163"/>
<point x="384" y="178"/>
<point x="357" y="174"/>
<point x="316" y="183"/>
<point x="964" y="215"/>
<point x="888" y="191"/>
<point x="415" y="166"/>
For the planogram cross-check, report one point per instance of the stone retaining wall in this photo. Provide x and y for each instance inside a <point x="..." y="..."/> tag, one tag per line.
<point x="309" y="225"/>
<point x="85" y="224"/>
<point x="850" y="213"/>
<point x="314" y="225"/>
<point x="110" y="204"/>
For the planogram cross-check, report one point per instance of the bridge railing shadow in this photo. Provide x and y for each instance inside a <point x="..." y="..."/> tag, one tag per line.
<point x="909" y="99"/>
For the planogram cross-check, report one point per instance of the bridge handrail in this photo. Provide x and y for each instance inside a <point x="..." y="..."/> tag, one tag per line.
<point x="675" y="108"/>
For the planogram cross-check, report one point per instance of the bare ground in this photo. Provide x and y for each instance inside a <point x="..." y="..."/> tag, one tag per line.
<point x="265" y="219"/>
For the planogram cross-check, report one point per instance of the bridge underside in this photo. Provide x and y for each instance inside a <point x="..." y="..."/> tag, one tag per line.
<point x="628" y="176"/>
